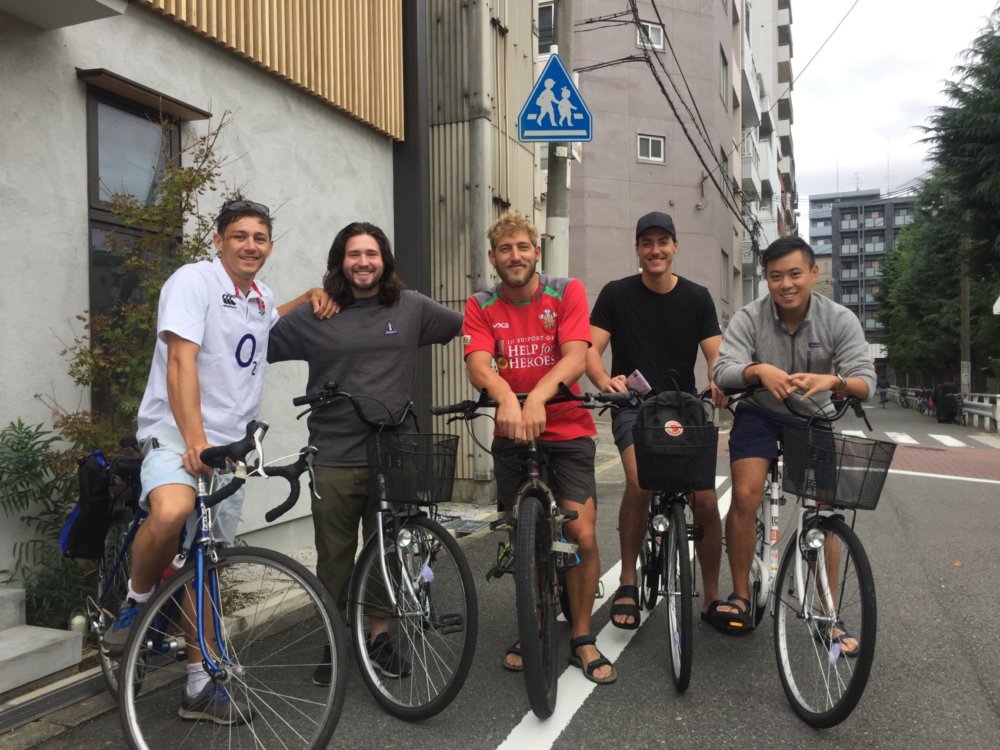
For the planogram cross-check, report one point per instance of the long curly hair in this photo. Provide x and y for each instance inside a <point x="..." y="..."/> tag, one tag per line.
<point x="390" y="285"/>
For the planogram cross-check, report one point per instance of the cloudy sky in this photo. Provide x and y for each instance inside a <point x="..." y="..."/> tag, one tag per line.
<point x="858" y="103"/>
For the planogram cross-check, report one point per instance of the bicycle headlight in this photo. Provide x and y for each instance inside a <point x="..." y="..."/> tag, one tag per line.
<point x="813" y="539"/>
<point x="660" y="523"/>
<point x="404" y="538"/>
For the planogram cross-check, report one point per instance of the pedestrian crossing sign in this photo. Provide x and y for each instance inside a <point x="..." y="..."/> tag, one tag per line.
<point x="554" y="110"/>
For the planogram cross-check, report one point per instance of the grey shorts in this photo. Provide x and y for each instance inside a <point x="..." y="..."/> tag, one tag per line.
<point x="569" y="469"/>
<point x="623" y="419"/>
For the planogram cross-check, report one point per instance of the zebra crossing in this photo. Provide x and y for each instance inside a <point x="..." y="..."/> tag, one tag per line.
<point x="931" y="439"/>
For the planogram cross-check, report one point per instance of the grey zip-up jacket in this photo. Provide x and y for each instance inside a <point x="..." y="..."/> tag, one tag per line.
<point x="829" y="340"/>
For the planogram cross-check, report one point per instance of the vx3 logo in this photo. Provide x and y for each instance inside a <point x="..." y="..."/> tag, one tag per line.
<point x="501" y="324"/>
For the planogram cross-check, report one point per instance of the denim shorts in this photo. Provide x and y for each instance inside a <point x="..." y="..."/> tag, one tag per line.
<point x="165" y="465"/>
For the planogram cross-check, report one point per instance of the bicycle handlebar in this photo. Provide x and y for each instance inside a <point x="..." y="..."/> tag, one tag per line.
<point x="468" y="408"/>
<point x="220" y="456"/>
<point x="839" y="409"/>
<point x="331" y="392"/>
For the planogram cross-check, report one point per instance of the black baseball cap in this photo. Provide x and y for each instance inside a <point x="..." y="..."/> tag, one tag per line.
<point x="655" y="219"/>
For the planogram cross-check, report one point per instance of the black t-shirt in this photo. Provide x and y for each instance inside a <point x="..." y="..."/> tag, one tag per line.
<point x="655" y="333"/>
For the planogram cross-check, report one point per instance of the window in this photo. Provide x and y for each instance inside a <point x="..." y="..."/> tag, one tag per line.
<point x="649" y="35"/>
<point x="874" y="218"/>
<point x="903" y="216"/>
<point x="724" y="83"/>
<point x="127" y="147"/>
<point x="725" y="277"/>
<point x="849" y="221"/>
<point x="651" y="148"/>
<point x="546" y="27"/>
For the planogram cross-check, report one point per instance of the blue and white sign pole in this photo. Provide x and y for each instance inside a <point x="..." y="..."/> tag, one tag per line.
<point x="555" y="113"/>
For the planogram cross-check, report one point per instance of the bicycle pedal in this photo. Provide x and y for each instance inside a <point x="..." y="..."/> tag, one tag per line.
<point x="449" y="624"/>
<point x="568" y="548"/>
<point x="498" y="572"/>
<point x="566" y="514"/>
<point x="695" y="533"/>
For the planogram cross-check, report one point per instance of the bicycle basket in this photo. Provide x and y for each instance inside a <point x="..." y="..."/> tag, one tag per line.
<point x="418" y="468"/>
<point x="676" y="458"/>
<point x="839" y="470"/>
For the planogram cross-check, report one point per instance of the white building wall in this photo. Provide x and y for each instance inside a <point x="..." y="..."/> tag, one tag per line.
<point x="317" y="169"/>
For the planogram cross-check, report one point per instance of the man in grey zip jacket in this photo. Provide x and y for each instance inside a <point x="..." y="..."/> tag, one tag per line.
<point x="795" y="344"/>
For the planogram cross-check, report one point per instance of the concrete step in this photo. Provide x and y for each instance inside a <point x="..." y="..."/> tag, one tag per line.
<point x="11" y="607"/>
<point x="28" y="653"/>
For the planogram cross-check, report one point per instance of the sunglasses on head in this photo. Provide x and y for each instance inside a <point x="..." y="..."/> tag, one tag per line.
<point x="242" y="205"/>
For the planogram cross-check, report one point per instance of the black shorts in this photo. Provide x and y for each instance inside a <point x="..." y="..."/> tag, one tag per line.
<point x="569" y="469"/>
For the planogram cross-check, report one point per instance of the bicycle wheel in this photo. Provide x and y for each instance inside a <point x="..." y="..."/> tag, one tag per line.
<point x="836" y="588"/>
<point x="649" y="570"/>
<point x="114" y="584"/>
<point x="537" y="600"/>
<point x="678" y="598"/>
<point x="273" y="617"/>
<point x="433" y="628"/>
<point x="759" y="567"/>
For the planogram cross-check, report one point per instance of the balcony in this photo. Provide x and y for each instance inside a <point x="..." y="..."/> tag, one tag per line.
<point x="848" y="249"/>
<point x="57" y="14"/>
<point x="750" y="101"/>
<point x="785" y="136"/>
<point x="785" y="27"/>
<point x="848" y="224"/>
<point x="874" y="223"/>
<point x="848" y="273"/>
<point x="750" y="171"/>
<point x="873" y="273"/>
<point x="817" y="232"/>
<point x="874" y="248"/>
<point x="785" y="65"/>
<point x="903" y="220"/>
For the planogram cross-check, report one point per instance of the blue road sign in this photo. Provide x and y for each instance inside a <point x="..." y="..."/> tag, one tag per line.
<point x="554" y="111"/>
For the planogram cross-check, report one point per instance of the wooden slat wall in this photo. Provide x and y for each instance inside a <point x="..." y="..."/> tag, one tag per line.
<point x="349" y="53"/>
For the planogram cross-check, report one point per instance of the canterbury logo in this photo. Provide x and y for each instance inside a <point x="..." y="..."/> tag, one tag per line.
<point x="228" y="300"/>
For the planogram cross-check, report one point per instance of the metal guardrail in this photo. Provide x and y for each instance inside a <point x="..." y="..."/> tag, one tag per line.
<point x="982" y="410"/>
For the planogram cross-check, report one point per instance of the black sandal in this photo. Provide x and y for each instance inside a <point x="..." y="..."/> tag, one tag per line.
<point x="626" y="610"/>
<point x="516" y="651"/>
<point x="593" y="666"/>
<point x="736" y="623"/>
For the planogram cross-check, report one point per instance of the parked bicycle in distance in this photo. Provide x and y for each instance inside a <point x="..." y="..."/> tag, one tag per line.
<point x="411" y="573"/>
<point x="824" y="581"/>
<point x="535" y="525"/>
<point x="256" y="618"/>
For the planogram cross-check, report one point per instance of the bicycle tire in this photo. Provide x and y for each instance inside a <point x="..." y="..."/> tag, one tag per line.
<point x="115" y="592"/>
<point x="434" y="627"/>
<point x="678" y="598"/>
<point x="822" y="685"/>
<point x="537" y="601"/>
<point x="275" y="617"/>
<point x="649" y="569"/>
<point x="759" y="567"/>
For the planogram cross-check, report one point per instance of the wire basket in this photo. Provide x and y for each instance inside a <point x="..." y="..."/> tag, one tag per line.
<point x="418" y="468"/>
<point x="676" y="458"/>
<point x="839" y="470"/>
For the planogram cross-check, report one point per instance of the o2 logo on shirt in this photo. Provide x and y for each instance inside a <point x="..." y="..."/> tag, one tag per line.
<point x="245" y="351"/>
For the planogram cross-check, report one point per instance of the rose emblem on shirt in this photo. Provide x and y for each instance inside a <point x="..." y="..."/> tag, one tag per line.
<point x="548" y="319"/>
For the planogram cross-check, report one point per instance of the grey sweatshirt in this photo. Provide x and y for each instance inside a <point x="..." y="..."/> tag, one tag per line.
<point x="829" y="340"/>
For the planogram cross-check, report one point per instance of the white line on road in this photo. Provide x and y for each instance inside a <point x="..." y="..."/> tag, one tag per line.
<point x="853" y="433"/>
<point x="901" y="437"/>
<point x="905" y="473"/>
<point x="949" y="441"/>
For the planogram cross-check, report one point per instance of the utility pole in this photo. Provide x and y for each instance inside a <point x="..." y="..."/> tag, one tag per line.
<point x="966" y="334"/>
<point x="556" y="258"/>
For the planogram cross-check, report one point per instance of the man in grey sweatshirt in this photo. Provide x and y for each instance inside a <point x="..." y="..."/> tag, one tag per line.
<point x="794" y="344"/>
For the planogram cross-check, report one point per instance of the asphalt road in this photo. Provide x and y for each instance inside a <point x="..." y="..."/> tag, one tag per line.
<point x="935" y="683"/>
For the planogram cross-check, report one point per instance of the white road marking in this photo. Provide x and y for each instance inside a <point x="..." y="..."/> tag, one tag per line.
<point x="901" y="437"/>
<point x="949" y="441"/>
<point x="573" y="686"/>
<point x="991" y="440"/>
<point x="906" y="473"/>
<point x="853" y="433"/>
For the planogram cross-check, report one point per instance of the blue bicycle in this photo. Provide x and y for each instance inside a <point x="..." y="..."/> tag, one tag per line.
<point x="257" y="619"/>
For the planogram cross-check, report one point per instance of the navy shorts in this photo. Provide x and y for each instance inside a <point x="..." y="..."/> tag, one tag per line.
<point x="623" y="419"/>
<point x="757" y="432"/>
<point x="569" y="469"/>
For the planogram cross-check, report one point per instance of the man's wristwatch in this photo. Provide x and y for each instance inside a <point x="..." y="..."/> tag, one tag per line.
<point x="839" y="388"/>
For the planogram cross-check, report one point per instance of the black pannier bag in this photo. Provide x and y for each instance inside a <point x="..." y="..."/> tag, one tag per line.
<point x="83" y="534"/>
<point x="675" y="443"/>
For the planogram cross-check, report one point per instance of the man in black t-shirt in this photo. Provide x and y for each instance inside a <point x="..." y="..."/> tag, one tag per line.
<point x="655" y="322"/>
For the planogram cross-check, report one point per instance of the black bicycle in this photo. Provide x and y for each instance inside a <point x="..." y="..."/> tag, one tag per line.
<point x="672" y="461"/>
<point x="411" y="573"/>
<point x="536" y="525"/>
